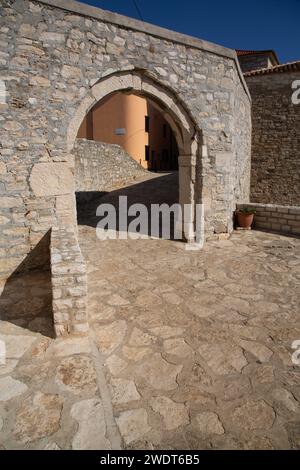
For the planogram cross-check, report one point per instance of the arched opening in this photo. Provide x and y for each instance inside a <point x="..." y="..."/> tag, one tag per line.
<point x="173" y="122"/>
<point x="134" y="123"/>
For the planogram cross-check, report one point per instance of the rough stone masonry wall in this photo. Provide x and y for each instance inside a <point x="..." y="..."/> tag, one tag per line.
<point x="50" y="58"/>
<point x="100" y="166"/>
<point x="285" y="219"/>
<point x="275" y="177"/>
<point x="69" y="282"/>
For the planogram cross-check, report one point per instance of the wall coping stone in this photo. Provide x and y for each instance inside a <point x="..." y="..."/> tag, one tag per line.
<point x="148" y="28"/>
<point x="275" y="218"/>
<point x="271" y="207"/>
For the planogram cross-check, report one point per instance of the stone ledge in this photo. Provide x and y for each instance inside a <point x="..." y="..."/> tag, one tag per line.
<point x="69" y="282"/>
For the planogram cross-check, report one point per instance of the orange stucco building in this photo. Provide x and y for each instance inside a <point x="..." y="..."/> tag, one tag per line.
<point x="135" y="124"/>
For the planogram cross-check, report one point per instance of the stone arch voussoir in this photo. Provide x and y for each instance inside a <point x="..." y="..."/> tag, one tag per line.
<point x="160" y="96"/>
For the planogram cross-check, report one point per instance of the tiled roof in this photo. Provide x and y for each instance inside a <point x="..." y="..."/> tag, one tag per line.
<point x="244" y="52"/>
<point x="288" y="67"/>
<point x="241" y="52"/>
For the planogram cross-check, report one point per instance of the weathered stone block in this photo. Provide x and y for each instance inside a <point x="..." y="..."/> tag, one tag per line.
<point x="51" y="179"/>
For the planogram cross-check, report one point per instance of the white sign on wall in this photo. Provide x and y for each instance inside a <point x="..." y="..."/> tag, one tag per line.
<point x="120" y="131"/>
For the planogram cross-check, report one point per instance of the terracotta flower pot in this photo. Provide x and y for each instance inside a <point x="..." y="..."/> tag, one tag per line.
<point x="244" y="220"/>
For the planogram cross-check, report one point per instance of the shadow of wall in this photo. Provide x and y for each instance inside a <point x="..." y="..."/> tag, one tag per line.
<point x="161" y="189"/>
<point x="26" y="300"/>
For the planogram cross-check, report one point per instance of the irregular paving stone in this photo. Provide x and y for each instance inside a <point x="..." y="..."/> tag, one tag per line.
<point x="199" y="310"/>
<point x="174" y="414"/>
<point x="37" y="373"/>
<point x="234" y="303"/>
<point x="102" y="314"/>
<point x="40" y="348"/>
<point x="294" y="435"/>
<point x="258" y="443"/>
<point x="10" y="388"/>
<point x="236" y="388"/>
<point x="284" y="354"/>
<point x="200" y="377"/>
<point x="8" y="367"/>
<point x="123" y="391"/>
<point x="172" y="298"/>
<point x="91" y="433"/>
<point x="167" y="331"/>
<point x="17" y="345"/>
<point x="266" y="307"/>
<point x="117" y="300"/>
<point x="254" y="415"/>
<point x="260" y="374"/>
<point x="194" y="395"/>
<point x="223" y="358"/>
<point x="69" y="346"/>
<point x="158" y="373"/>
<point x="115" y="364"/>
<point x="208" y="423"/>
<point x="285" y="398"/>
<point x="52" y="446"/>
<point x="253" y="333"/>
<point x="148" y="299"/>
<point x="178" y="347"/>
<point x="133" y="424"/>
<point x="76" y="374"/>
<point x="109" y="337"/>
<point x="258" y="350"/>
<point x="38" y="417"/>
<point x="135" y="354"/>
<point x="140" y="338"/>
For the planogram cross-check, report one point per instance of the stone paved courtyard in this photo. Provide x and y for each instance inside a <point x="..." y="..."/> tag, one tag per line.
<point x="187" y="350"/>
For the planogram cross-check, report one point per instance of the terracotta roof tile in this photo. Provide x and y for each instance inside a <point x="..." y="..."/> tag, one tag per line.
<point x="288" y="67"/>
<point x="241" y="53"/>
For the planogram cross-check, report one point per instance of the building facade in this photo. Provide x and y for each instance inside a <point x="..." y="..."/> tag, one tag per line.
<point x="137" y="126"/>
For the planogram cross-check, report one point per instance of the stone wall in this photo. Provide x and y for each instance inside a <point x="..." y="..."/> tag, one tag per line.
<point x="285" y="219"/>
<point x="69" y="282"/>
<point x="100" y="166"/>
<point x="52" y="53"/>
<point x="275" y="177"/>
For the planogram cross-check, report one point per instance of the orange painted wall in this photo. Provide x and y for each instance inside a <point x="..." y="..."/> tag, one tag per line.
<point x="122" y="111"/>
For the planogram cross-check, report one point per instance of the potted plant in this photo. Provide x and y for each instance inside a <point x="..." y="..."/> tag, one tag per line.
<point x="245" y="217"/>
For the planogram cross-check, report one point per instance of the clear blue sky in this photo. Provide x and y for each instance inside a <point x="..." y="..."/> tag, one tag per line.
<point x="254" y="24"/>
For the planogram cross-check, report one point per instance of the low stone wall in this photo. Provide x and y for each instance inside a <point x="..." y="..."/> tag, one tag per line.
<point x="284" y="219"/>
<point x="100" y="166"/>
<point x="69" y="282"/>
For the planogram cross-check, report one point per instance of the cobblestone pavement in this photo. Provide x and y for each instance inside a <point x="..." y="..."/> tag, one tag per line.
<point x="188" y="350"/>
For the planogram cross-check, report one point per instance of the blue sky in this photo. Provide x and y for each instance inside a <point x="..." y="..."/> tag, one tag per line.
<point x="257" y="24"/>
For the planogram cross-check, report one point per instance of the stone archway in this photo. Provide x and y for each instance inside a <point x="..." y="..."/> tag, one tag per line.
<point x="185" y="130"/>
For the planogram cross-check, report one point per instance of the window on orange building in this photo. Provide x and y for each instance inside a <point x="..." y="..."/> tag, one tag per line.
<point x="147" y="123"/>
